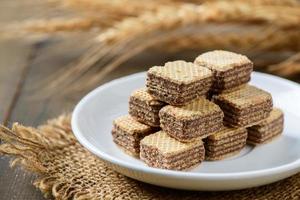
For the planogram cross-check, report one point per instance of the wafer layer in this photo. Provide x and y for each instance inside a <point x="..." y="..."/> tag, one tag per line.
<point x="144" y="107"/>
<point x="127" y="133"/>
<point x="198" y="119"/>
<point x="162" y="151"/>
<point x="225" y="143"/>
<point x="268" y="129"/>
<point x="178" y="82"/>
<point x="244" y="107"/>
<point x="229" y="69"/>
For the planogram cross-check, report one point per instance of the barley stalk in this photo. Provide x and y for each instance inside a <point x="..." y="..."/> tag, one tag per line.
<point x="220" y="12"/>
<point x="128" y="27"/>
<point x="112" y="11"/>
<point x="166" y="20"/>
<point x="57" y="25"/>
<point x="120" y="7"/>
<point x="287" y="68"/>
<point x="241" y="37"/>
<point x="121" y="52"/>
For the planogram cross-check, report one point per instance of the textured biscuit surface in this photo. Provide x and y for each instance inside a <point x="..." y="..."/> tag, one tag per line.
<point x="245" y="97"/>
<point x="225" y="143"/>
<point x="144" y="96"/>
<point x="127" y="134"/>
<point x="220" y="60"/>
<point x="144" y="107"/>
<point x="166" y="144"/>
<point x="178" y="82"/>
<point x="130" y="125"/>
<point x="267" y="129"/>
<point x="194" y="121"/>
<point x="223" y="156"/>
<point x="275" y="114"/>
<point x="180" y="72"/>
<point x="225" y="132"/>
<point x="197" y="108"/>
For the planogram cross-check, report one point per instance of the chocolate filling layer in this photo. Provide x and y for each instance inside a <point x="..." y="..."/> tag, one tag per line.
<point x="227" y="135"/>
<point x="227" y="144"/>
<point x="229" y="139"/>
<point x="262" y="136"/>
<point x="234" y="70"/>
<point x="177" y="94"/>
<point x="144" y="115"/>
<point x="255" y="140"/>
<point x="225" y="150"/>
<point x="229" y="107"/>
<point x="231" y="84"/>
<point x="189" y="130"/>
<point x="173" y="86"/>
<point x="184" y="160"/>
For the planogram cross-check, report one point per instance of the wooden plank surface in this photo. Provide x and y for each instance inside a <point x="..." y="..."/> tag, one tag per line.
<point x="13" y="68"/>
<point x="45" y="59"/>
<point x="14" y="183"/>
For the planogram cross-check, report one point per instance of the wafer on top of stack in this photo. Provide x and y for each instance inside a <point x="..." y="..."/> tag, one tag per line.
<point x="193" y="127"/>
<point x="178" y="82"/>
<point x="230" y="70"/>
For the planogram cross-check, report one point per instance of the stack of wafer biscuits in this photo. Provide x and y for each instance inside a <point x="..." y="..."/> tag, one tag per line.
<point x="190" y="112"/>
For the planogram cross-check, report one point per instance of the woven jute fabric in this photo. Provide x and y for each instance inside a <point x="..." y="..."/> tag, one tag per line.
<point x="67" y="171"/>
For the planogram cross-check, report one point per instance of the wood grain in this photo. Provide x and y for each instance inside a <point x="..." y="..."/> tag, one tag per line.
<point x="15" y="183"/>
<point x="12" y="71"/>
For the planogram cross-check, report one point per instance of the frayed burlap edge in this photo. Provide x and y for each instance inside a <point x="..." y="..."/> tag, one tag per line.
<point x="67" y="171"/>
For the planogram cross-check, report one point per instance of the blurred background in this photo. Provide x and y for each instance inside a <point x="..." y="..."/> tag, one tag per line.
<point x="52" y="52"/>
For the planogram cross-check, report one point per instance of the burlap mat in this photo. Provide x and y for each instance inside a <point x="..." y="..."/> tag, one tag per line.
<point x="68" y="171"/>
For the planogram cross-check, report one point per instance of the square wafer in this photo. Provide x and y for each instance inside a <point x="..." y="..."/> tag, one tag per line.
<point x="127" y="133"/>
<point x="162" y="151"/>
<point x="244" y="107"/>
<point x="144" y="107"/>
<point x="268" y="129"/>
<point x="230" y="69"/>
<point x="196" y="120"/>
<point x="178" y="82"/>
<point x="225" y="143"/>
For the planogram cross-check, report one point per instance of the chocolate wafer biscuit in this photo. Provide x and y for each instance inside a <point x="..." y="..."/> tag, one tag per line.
<point x="178" y="82"/>
<point x="127" y="133"/>
<point x="244" y="107"/>
<point x="229" y="69"/>
<point x="198" y="119"/>
<point x="144" y="107"/>
<point x="162" y="151"/>
<point x="268" y="129"/>
<point x="225" y="143"/>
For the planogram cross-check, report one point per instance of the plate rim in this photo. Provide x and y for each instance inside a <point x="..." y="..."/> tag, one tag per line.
<point x="295" y="165"/>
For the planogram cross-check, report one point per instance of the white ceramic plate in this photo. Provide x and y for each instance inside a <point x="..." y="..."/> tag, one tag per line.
<point x="92" y="123"/>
